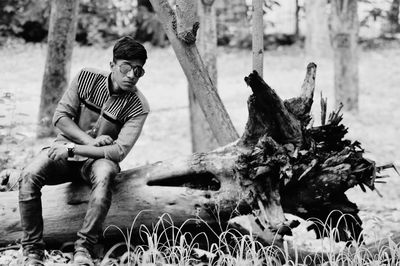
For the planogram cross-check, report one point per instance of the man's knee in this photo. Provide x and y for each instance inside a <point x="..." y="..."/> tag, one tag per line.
<point x="32" y="177"/>
<point x="104" y="170"/>
<point x="30" y="184"/>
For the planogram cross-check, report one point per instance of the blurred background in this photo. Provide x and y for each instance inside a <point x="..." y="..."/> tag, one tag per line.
<point x="100" y="23"/>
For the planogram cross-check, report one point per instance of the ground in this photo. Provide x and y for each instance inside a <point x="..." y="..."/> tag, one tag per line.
<point x="166" y="132"/>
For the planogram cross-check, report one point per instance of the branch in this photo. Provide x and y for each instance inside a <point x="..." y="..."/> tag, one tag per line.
<point x="198" y="77"/>
<point x="300" y="107"/>
<point x="187" y="21"/>
<point x="281" y="125"/>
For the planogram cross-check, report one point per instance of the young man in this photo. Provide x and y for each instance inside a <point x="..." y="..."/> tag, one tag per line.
<point x="100" y="118"/>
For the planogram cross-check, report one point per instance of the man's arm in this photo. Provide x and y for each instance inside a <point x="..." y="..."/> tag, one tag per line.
<point x="71" y="130"/>
<point x="115" y="151"/>
<point x="127" y="137"/>
<point x="67" y="109"/>
<point x="59" y="151"/>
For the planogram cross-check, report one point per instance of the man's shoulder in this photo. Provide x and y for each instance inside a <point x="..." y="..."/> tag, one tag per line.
<point x="143" y="100"/>
<point x="138" y="99"/>
<point x="95" y="71"/>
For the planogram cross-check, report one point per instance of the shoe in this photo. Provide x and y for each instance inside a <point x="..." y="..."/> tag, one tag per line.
<point x="34" y="259"/>
<point x="82" y="257"/>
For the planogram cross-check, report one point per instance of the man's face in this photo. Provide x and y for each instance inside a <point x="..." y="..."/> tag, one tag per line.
<point x="126" y="73"/>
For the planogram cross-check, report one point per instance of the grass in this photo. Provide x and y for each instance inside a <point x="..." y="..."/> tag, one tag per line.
<point x="167" y="244"/>
<point x="166" y="132"/>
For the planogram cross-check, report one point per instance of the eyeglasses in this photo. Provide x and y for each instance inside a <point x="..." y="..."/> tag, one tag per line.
<point x="125" y="68"/>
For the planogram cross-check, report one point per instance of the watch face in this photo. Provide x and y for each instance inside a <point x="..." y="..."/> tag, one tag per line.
<point x="70" y="145"/>
<point x="71" y="149"/>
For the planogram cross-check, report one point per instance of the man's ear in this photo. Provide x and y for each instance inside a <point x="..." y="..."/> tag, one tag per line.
<point x="112" y="64"/>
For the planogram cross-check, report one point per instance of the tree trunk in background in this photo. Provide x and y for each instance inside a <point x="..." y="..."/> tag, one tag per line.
<point x="317" y="42"/>
<point x="297" y="21"/>
<point x="393" y="17"/>
<point x="62" y="30"/>
<point x="234" y="11"/>
<point x="344" y="26"/>
<point x="183" y="43"/>
<point x="232" y="16"/>
<point x="202" y="137"/>
<point x="258" y="37"/>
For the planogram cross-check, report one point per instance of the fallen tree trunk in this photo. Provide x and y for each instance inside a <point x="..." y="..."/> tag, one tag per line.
<point x="278" y="165"/>
<point x="185" y="188"/>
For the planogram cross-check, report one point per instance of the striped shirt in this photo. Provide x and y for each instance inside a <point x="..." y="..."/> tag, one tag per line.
<point x="90" y="103"/>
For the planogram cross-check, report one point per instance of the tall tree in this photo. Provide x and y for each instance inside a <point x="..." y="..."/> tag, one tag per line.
<point x="183" y="43"/>
<point x="344" y="27"/>
<point x="62" y="30"/>
<point x="393" y="16"/>
<point x="297" y="20"/>
<point x="258" y="37"/>
<point x="317" y="42"/>
<point x="202" y="136"/>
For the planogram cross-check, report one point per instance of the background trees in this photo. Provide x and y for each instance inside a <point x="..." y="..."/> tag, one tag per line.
<point x="317" y="41"/>
<point x="393" y="16"/>
<point x="201" y="134"/>
<point x="344" y="26"/>
<point x="101" y="22"/>
<point x="61" y="37"/>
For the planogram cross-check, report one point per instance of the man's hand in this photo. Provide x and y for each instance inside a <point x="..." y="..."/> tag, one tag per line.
<point x="58" y="152"/>
<point x="102" y="140"/>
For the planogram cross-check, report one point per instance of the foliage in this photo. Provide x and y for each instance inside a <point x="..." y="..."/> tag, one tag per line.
<point x="379" y="10"/>
<point x="148" y="26"/>
<point x="103" y="21"/>
<point x="98" y="21"/>
<point x="233" y="25"/>
<point x="24" y="18"/>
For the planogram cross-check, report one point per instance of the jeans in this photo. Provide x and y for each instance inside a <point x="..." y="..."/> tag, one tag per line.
<point x="98" y="173"/>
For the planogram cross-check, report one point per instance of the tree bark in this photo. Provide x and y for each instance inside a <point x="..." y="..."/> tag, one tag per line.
<point x="63" y="22"/>
<point x="258" y="37"/>
<point x="202" y="137"/>
<point x="297" y="20"/>
<point x="317" y="42"/>
<point x="196" y="73"/>
<point x="344" y="28"/>
<point x="186" y="188"/>
<point x="393" y="17"/>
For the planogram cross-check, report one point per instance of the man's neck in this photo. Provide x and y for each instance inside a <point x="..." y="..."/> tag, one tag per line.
<point x="114" y="89"/>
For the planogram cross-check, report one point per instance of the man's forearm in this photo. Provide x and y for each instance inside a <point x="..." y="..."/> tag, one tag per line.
<point x="89" y="151"/>
<point x="73" y="132"/>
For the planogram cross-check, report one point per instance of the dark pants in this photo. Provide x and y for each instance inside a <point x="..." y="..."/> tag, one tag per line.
<point x="44" y="171"/>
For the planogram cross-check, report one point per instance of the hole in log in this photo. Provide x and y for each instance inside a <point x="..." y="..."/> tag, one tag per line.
<point x="201" y="181"/>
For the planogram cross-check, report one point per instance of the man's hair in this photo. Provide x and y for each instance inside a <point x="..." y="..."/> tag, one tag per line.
<point x="127" y="48"/>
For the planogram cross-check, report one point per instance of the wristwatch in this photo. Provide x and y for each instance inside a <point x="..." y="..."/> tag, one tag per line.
<point x="71" y="149"/>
